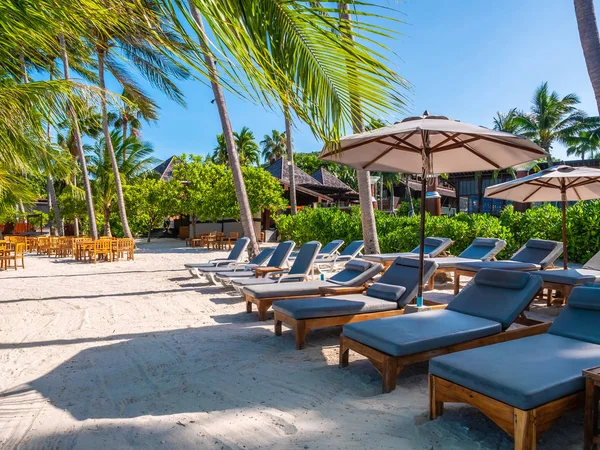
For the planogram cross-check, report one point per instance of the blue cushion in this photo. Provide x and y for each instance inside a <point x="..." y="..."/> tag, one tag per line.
<point x="306" y="257"/>
<point x="239" y="247"/>
<point x="238" y="274"/>
<point x="262" y="257"/>
<point x="474" y="266"/>
<point x="331" y="247"/>
<point x="433" y="246"/>
<point x="383" y="291"/>
<point x="282" y="290"/>
<point x="594" y="263"/>
<point x="538" y="251"/>
<point x="483" y="249"/>
<point x="281" y="254"/>
<point x="420" y="332"/>
<point x="405" y="272"/>
<point x="353" y="248"/>
<point x="340" y="305"/>
<point x="524" y="373"/>
<point x="581" y="317"/>
<point x="498" y="295"/>
<point x="572" y="277"/>
<point x="356" y="273"/>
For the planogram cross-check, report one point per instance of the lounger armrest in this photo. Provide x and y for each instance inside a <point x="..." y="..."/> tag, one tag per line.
<point x="288" y="277"/>
<point x="341" y="290"/>
<point x="223" y="262"/>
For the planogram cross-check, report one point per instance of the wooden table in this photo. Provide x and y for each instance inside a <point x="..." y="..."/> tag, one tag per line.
<point x="261" y="272"/>
<point x="590" y="424"/>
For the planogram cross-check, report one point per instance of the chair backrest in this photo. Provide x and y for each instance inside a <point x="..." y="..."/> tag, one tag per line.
<point x="401" y="281"/>
<point x="306" y="258"/>
<point x="234" y="235"/>
<point x="281" y="254"/>
<point x="498" y="295"/>
<point x="356" y="272"/>
<point x="353" y="249"/>
<point x="483" y="248"/>
<point x="102" y="244"/>
<point x="581" y="317"/>
<point x="262" y="257"/>
<point x="20" y="249"/>
<point x="331" y="247"/>
<point x="594" y="263"/>
<point x="238" y="249"/>
<point x="433" y="246"/>
<point x="539" y="251"/>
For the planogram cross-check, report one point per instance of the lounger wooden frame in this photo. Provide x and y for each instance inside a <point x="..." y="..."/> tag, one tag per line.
<point x="389" y="366"/>
<point x="523" y="425"/>
<point x="302" y="326"/>
<point x="550" y="287"/>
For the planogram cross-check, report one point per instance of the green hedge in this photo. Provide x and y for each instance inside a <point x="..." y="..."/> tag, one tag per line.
<point x="401" y="233"/>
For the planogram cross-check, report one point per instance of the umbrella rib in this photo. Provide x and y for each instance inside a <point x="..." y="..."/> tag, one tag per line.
<point x="577" y="193"/>
<point x="509" y="144"/>
<point x="534" y="192"/>
<point x="351" y="146"/>
<point x="399" y="147"/>
<point x="573" y="182"/>
<point x="408" y="144"/>
<point x="381" y="155"/>
<point x="485" y="158"/>
<point x="456" y="145"/>
<point x="448" y="139"/>
<point x="585" y="182"/>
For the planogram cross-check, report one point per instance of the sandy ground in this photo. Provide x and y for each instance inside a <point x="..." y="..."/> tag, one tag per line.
<point x="140" y="355"/>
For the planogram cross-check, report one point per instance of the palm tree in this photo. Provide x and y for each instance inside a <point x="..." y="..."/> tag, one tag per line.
<point x="138" y="160"/>
<point x="273" y="146"/>
<point x="552" y="119"/>
<point x="506" y="122"/>
<point x="133" y="110"/>
<point x="247" y="147"/>
<point x="590" y="42"/>
<point x="586" y="142"/>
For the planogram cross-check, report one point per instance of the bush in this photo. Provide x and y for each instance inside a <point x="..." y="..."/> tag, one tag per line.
<point x="401" y="233"/>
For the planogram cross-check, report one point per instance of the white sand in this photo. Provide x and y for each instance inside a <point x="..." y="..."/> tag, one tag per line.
<point x="140" y="355"/>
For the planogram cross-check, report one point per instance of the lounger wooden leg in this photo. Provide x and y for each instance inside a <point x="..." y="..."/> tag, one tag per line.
<point x="456" y="283"/>
<point x="277" y="327"/>
<point x="344" y="352"/>
<point x="300" y="330"/>
<point x="262" y="311"/>
<point x="430" y="284"/>
<point x="248" y="304"/>
<point x="389" y="372"/>
<point x="436" y="408"/>
<point x="525" y="432"/>
<point x="590" y="425"/>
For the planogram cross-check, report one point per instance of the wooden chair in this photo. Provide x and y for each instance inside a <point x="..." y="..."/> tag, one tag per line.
<point x="14" y="254"/>
<point x="53" y="247"/>
<point x="102" y="248"/>
<point x="42" y="245"/>
<point x="121" y="247"/>
<point x="233" y="237"/>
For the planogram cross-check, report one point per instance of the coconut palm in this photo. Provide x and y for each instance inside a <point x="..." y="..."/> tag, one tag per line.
<point x="244" y="141"/>
<point x="273" y="146"/>
<point x="506" y="122"/>
<point x="590" y="42"/>
<point x="552" y="119"/>
<point x="138" y="160"/>
<point x="585" y="143"/>
<point x="132" y="111"/>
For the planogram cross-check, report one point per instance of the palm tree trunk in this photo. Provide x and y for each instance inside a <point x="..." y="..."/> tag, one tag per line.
<point x="410" y="199"/>
<point x="289" y="145"/>
<point x="234" y="162"/>
<point x="363" y="176"/>
<point x="89" y="200"/>
<point x="54" y="205"/>
<point x="125" y="123"/>
<point x="590" y="42"/>
<point x="107" y="230"/>
<point x="392" y="198"/>
<point x="109" y="147"/>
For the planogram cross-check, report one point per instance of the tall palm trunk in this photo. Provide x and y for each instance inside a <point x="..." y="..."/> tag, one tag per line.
<point x="363" y="176"/>
<point x="234" y="162"/>
<point x="590" y="42"/>
<point x="59" y="231"/>
<point x="107" y="231"/>
<point x="289" y="145"/>
<point x="89" y="200"/>
<point x="101" y="52"/>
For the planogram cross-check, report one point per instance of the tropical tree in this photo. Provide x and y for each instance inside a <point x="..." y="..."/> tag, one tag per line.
<point x="506" y="122"/>
<point x="134" y="109"/>
<point x="585" y="143"/>
<point x="247" y="148"/>
<point x="552" y="119"/>
<point x="149" y="202"/>
<point x="273" y="146"/>
<point x="590" y="42"/>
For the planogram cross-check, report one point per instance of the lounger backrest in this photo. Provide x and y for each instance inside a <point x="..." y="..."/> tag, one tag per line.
<point x="262" y="257"/>
<point x="331" y="247"/>
<point x="594" y="263"/>
<point x="433" y="246"/>
<point x="353" y="248"/>
<point x="581" y="317"/>
<point x="401" y="281"/>
<point x="239" y="248"/>
<point x="498" y="295"/>
<point x="356" y="272"/>
<point x="281" y="254"/>
<point x="483" y="248"/>
<point x="305" y="259"/>
<point x="538" y="251"/>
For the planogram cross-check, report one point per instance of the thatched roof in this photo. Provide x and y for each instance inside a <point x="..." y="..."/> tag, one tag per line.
<point x="280" y="170"/>
<point x="332" y="182"/>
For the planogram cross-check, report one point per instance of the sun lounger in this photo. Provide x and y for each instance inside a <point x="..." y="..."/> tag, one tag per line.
<point x="278" y="259"/>
<point x="330" y="250"/>
<point x="481" y="249"/>
<point x="387" y="297"/>
<point x="259" y="260"/>
<point x="480" y="315"/>
<point x="526" y="384"/>
<point x="355" y="275"/>
<point x="299" y="271"/>
<point x="235" y="255"/>
<point x="351" y="252"/>
<point x="434" y="246"/>
<point x="536" y="254"/>
<point x="565" y="280"/>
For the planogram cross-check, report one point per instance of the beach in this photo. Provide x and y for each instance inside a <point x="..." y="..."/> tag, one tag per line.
<point x="140" y="355"/>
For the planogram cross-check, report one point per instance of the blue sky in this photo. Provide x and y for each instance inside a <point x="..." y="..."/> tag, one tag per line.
<point x="465" y="59"/>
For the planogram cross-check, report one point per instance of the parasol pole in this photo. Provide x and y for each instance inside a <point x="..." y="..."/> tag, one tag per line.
<point x="563" y="195"/>
<point x="425" y="137"/>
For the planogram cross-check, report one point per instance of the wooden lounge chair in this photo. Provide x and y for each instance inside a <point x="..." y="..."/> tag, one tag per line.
<point x="565" y="280"/>
<point x="434" y="246"/>
<point x="278" y="260"/>
<point x="481" y="249"/>
<point x="259" y="260"/>
<point x="527" y="384"/>
<point x="302" y="266"/>
<point x="235" y="255"/>
<point x="387" y="297"/>
<point x="356" y="274"/>
<point x="480" y="315"/>
<point x="536" y="254"/>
